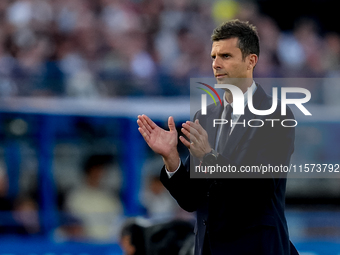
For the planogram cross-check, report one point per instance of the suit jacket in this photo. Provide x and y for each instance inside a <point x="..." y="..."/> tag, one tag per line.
<point x="244" y="215"/>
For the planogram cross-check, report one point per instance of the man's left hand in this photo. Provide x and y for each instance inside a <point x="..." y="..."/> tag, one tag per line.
<point x="198" y="144"/>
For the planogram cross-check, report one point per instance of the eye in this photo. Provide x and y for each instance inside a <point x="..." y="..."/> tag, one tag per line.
<point x="226" y="55"/>
<point x="213" y="57"/>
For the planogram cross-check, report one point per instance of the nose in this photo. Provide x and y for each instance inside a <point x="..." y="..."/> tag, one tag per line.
<point x="216" y="63"/>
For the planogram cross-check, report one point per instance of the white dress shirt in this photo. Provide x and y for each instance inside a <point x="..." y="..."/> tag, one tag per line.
<point x="234" y="117"/>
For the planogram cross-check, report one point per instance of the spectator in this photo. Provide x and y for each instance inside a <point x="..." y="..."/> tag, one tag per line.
<point x="158" y="202"/>
<point x="93" y="205"/>
<point x="26" y="216"/>
<point x="132" y="238"/>
<point x="86" y="48"/>
<point x="166" y="238"/>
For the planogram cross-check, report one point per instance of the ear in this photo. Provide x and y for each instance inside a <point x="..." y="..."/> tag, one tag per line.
<point x="252" y="60"/>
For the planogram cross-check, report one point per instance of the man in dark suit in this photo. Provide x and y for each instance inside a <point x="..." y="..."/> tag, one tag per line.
<point x="234" y="215"/>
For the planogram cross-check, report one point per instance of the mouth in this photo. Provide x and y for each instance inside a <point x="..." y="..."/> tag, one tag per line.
<point x="220" y="76"/>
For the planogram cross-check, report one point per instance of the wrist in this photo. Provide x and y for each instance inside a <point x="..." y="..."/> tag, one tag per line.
<point x="172" y="161"/>
<point x="207" y="150"/>
<point x="210" y="158"/>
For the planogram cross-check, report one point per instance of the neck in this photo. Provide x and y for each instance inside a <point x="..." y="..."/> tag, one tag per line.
<point x="242" y="86"/>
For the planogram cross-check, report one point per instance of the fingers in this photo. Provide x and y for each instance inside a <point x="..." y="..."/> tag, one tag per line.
<point x="193" y="131"/>
<point x="143" y="127"/>
<point x="171" y="123"/>
<point x="149" y="121"/>
<point x="142" y="132"/>
<point x="186" y="130"/>
<point x="197" y="126"/>
<point x="185" y="142"/>
<point x="146" y="123"/>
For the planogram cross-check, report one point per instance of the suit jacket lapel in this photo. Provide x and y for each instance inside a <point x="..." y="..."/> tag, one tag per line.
<point x="239" y="130"/>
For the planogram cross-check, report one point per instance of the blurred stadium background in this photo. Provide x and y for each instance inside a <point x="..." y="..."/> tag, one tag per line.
<point x="74" y="75"/>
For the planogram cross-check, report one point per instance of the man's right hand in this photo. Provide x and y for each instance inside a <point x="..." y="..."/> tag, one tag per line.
<point x="161" y="141"/>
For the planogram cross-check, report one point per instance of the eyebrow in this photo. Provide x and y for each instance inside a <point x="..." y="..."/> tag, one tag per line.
<point x="221" y="54"/>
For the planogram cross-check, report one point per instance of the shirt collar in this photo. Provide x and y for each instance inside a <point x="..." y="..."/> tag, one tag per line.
<point x="253" y="86"/>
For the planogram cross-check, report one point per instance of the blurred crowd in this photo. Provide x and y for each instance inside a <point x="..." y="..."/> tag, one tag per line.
<point x="19" y="215"/>
<point x="91" y="209"/>
<point x="117" y="48"/>
<point x="110" y="48"/>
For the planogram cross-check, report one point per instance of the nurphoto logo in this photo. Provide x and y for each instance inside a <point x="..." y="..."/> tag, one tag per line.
<point x="238" y="104"/>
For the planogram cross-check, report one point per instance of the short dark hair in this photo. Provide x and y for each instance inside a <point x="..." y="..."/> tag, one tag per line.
<point x="96" y="160"/>
<point x="137" y="235"/>
<point x="248" y="39"/>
